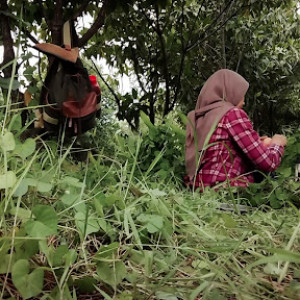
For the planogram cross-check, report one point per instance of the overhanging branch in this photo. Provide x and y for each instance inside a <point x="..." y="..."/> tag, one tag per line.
<point x="99" y="22"/>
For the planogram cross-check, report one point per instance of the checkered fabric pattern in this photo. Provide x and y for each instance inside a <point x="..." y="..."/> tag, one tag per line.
<point x="235" y="152"/>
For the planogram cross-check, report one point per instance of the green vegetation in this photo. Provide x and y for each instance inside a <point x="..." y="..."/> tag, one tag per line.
<point x="124" y="227"/>
<point x="169" y="48"/>
<point x="121" y="225"/>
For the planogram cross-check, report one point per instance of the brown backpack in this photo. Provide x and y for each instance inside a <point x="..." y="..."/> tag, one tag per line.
<point x="70" y="98"/>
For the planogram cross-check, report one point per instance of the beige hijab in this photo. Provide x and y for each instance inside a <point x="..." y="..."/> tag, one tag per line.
<point x="222" y="91"/>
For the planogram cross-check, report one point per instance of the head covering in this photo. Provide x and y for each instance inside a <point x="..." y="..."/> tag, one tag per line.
<point x="222" y="91"/>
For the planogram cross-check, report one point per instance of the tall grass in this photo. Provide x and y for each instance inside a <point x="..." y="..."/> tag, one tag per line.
<point x="116" y="227"/>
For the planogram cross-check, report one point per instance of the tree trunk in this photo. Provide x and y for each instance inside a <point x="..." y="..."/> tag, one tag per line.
<point x="8" y="54"/>
<point x="8" y="49"/>
<point x="56" y="24"/>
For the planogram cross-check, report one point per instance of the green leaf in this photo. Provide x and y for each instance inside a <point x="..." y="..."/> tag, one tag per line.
<point x="161" y="295"/>
<point x="15" y="123"/>
<point x="25" y="249"/>
<point x="28" y="284"/>
<point x="134" y="93"/>
<point x="45" y="222"/>
<point x="108" y="200"/>
<point x="215" y="295"/>
<point x="272" y="269"/>
<point x="59" y="255"/>
<point x="107" y="251"/>
<point x="4" y="262"/>
<point x="87" y="224"/>
<point x="5" y="82"/>
<point x="154" y="223"/>
<point x="158" y="193"/>
<point x="285" y="172"/>
<point x="72" y="181"/>
<point x="111" y="273"/>
<point x="281" y="195"/>
<point x="70" y="199"/>
<point x="146" y="120"/>
<point x="41" y="186"/>
<point x="23" y="214"/>
<point x="8" y="180"/>
<point x="7" y="142"/>
<point x="296" y="274"/>
<point x="22" y="188"/>
<point x="125" y="296"/>
<point x="86" y="284"/>
<point x="44" y="187"/>
<point x="229" y="222"/>
<point x="26" y="149"/>
<point x="70" y="257"/>
<point x="274" y="201"/>
<point x="280" y="255"/>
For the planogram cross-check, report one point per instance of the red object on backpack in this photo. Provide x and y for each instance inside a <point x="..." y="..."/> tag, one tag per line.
<point x="95" y="85"/>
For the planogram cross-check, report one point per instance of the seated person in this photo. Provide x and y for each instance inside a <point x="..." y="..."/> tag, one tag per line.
<point x="228" y="148"/>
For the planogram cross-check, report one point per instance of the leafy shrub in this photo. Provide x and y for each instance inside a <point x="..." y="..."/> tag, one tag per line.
<point x="158" y="149"/>
<point x="281" y="187"/>
<point x="162" y="148"/>
<point x="117" y="227"/>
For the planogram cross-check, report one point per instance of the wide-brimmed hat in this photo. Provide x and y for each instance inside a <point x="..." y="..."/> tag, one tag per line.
<point x="67" y="53"/>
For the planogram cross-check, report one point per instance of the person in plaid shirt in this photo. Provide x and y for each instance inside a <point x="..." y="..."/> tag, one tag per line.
<point x="221" y="144"/>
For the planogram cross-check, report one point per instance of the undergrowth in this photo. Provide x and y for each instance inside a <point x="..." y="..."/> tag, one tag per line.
<point x="121" y="225"/>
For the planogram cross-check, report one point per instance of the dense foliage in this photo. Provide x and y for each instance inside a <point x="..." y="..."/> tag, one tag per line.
<point x="121" y="225"/>
<point x="124" y="227"/>
<point x="169" y="48"/>
<point x="173" y="47"/>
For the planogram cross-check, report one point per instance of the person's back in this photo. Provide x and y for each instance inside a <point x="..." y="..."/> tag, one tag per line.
<point x="234" y="149"/>
<point x="235" y="152"/>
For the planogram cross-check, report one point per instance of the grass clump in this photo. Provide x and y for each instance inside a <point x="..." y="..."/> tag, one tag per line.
<point x="124" y="227"/>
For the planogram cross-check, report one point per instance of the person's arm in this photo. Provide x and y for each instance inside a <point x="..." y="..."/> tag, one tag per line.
<point x="241" y="130"/>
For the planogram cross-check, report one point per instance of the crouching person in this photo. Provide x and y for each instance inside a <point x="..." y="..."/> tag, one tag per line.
<point x="221" y="144"/>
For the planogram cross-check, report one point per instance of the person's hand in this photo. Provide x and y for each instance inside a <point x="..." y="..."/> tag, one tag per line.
<point x="279" y="139"/>
<point x="266" y="140"/>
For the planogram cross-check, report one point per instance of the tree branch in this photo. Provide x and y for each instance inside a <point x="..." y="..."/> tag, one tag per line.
<point x="81" y="9"/>
<point x="159" y="33"/>
<point x="198" y="14"/>
<point x="148" y="19"/>
<point x="224" y="62"/>
<point x="98" y="23"/>
<point x="169" y="15"/>
<point x="183" y="55"/>
<point x="136" y="66"/>
<point x="30" y="36"/>
<point x="165" y="61"/>
<point x="184" y="48"/>
<point x="118" y="101"/>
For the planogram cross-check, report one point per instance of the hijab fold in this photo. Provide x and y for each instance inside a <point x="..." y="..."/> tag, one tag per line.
<point x="222" y="91"/>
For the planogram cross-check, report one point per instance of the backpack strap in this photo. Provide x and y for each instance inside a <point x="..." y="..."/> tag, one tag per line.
<point x="49" y="119"/>
<point x="67" y="35"/>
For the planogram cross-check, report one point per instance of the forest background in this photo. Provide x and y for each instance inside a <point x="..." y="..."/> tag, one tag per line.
<point x="121" y="225"/>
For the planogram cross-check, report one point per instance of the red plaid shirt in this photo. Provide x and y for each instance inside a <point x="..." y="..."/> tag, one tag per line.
<point x="237" y="151"/>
